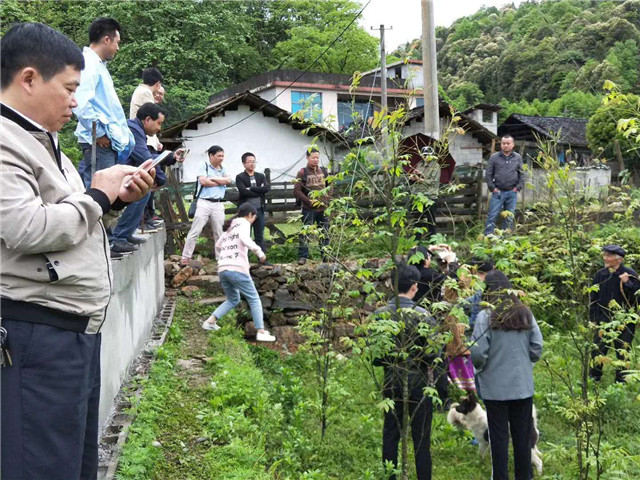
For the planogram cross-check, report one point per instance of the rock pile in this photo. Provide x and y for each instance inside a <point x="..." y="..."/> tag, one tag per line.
<point x="287" y="291"/>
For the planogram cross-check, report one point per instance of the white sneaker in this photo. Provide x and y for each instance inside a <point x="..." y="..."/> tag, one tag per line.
<point x="265" y="337"/>
<point x="207" y="325"/>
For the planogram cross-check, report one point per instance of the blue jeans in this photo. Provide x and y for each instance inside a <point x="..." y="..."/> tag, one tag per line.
<point x="309" y="217"/>
<point x="105" y="158"/>
<point x="130" y="219"/>
<point x="234" y="284"/>
<point x="500" y="201"/>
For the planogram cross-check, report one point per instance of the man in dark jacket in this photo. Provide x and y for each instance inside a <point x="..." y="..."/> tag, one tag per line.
<point x="408" y="356"/>
<point x="505" y="177"/>
<point x="616" y="283"/>
<point x="148" y="121"/>
<point x="252" y="188"/>
<point x="310" y="178"/>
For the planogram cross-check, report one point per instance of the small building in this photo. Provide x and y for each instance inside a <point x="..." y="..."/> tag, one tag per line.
<point x="246" y="122"/>
<point x="570" y="133"/>
<point x="569" y="137"/>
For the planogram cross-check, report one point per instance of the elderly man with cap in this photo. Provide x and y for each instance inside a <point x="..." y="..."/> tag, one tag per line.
<point x="616" y="282"/>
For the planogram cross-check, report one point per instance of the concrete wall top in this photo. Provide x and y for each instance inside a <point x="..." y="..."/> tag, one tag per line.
<point x="138" y="291"/>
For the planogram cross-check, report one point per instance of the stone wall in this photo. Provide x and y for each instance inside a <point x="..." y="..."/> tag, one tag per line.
<point x="287" y="292"/>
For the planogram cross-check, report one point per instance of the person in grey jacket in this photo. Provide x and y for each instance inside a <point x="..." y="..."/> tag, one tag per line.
<point x="505" y="177"/>
<point x="506" y="343"/>
<point x="55" y="272"/>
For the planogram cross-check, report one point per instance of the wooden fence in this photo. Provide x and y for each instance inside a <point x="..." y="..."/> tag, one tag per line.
<point x="453" y="211"/>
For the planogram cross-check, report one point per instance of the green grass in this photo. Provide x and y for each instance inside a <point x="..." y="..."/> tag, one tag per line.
<point x="249" y="413"/>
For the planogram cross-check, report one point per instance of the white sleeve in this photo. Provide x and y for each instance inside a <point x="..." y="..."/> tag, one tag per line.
<point x="245" y="237"/>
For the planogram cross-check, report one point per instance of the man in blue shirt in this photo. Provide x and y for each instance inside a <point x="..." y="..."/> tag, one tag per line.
<point x="213" y="181"/>
<point x="148" y="121"/>
<point x="98" y="101"/>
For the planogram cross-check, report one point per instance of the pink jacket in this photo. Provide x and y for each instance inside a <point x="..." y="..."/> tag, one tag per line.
<point x="232" y="247"/>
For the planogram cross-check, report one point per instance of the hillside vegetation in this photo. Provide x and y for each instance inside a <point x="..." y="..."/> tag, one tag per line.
<point x="549" y="58"/>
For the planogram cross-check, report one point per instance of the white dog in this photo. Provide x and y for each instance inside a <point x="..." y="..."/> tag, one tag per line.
<point x="469" y="415"/>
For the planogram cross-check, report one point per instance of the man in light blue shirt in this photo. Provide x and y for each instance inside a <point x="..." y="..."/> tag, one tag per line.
<point x="98" y="101"/>
<point x="212" y="183"/>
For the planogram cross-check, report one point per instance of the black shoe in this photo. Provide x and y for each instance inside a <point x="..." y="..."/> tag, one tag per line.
<point x="120" y="246"/>
<point x="133" y="240"/>
<point x="116" y="255"/>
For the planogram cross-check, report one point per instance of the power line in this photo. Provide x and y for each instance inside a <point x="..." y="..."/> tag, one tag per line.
<point x="270" y="102"/>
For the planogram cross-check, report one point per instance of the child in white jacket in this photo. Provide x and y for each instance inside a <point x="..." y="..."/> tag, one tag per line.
<point x="233" y="270"/>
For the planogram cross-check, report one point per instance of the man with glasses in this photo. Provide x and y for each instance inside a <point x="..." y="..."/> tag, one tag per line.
<point x="252" y="188"/>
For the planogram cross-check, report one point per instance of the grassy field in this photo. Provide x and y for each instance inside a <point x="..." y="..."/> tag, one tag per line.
<point x="218" y="407"/>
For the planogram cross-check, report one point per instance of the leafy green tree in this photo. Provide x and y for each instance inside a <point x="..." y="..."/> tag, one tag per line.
<point x="602" y="128"/>
<point x="465" y="95"/>
<point x="356" y="50"/>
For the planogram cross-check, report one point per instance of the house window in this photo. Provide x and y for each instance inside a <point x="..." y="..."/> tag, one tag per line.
<point x="309" y="102"/>
<point x="420" y="102"/>
<point x="487" y="116"/>
<point x="349" y="112"/>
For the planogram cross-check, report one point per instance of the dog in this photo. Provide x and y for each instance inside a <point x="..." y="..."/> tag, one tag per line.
<point x="469" y="415"/>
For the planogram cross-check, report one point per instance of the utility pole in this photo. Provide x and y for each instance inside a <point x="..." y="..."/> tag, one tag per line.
<point x="430" y="72"/>
<point x="383" y="84"/>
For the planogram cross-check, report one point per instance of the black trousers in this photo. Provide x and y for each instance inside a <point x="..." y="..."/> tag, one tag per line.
<point x="621" y="343"/>
<point x="258" y="229"/>
<point x="310" y="217"/>
<point x="421" y="414"/>
<point x="510" y="416"/>
<point x="50" y="400"/>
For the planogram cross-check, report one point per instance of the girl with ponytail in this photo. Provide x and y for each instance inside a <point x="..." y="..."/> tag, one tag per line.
<point x="233" y="270"/>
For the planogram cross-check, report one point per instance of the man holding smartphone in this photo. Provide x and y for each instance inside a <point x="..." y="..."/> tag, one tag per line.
<point x="148" y="121"/>
<point x="56" y="277"/>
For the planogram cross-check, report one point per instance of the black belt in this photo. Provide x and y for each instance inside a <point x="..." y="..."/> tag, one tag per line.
<point x="34" y="313"/>
<point x="214" y="199"/>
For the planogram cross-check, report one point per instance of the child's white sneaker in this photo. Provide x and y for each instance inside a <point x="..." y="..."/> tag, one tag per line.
<point x="208" y="325"/>
<point x="265" y="337"/>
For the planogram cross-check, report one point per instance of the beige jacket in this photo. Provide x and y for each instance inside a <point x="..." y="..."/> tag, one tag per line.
<point x="54" y="250"/>
<point x="141" y="95"/>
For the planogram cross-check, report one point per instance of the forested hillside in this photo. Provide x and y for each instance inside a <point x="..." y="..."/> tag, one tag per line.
<point x="550" y="57"/>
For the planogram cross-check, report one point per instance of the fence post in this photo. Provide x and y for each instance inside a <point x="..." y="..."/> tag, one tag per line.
<point x="267" y="174"/>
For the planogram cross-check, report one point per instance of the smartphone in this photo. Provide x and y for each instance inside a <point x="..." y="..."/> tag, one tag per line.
<point x="156" y="161"/>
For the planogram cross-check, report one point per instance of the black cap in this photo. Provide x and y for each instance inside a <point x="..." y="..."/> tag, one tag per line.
<point x="615" y="249"/>
<point x="484" y="265"/>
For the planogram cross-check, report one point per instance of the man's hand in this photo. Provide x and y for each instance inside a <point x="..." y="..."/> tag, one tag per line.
<point x="137" y="185"/>
<point x="624" y="277"/>
<point x="263" y="259"/>
<point x="495" y="190"/>
<point x="104" y="142"/>
<point x="110" y="180"/>
<point x="160" y="147"/>
<point x="180" y="154"/>
<point x="515" y="190"/>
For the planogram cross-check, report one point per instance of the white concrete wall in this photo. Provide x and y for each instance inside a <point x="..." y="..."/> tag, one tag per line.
<point x="477" y="115"/>
<point x="137" y="297"/>
<point x="276" y="145"/>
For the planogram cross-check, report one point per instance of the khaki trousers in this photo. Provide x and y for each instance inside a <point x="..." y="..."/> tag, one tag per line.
<point x="206" y="211"/>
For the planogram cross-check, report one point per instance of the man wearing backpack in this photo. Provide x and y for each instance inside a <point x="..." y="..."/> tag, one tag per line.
<point x="312" y="177"/>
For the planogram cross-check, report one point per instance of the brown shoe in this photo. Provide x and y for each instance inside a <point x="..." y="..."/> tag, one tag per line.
<point x="302" y="261"/>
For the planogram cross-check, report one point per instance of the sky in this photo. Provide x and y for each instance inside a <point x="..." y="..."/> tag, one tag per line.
<point x="404" y="16"/>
